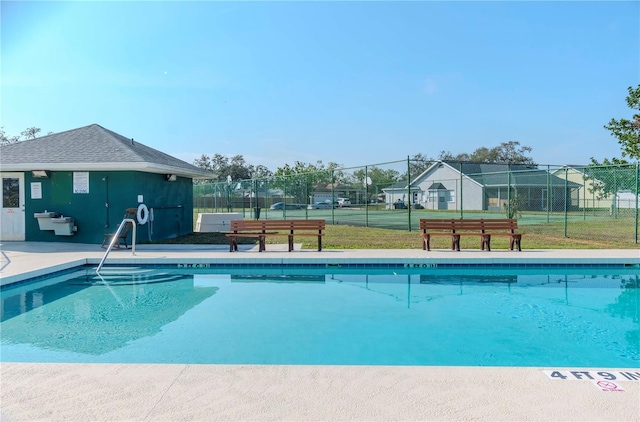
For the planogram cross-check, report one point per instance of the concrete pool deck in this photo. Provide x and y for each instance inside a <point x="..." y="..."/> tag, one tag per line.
<point x="132" y="392"/>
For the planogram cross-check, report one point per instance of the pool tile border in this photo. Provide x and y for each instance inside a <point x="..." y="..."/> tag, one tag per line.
<point x="341" y="263"/>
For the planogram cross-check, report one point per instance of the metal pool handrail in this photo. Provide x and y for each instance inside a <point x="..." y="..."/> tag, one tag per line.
<point x="114" y="239"/>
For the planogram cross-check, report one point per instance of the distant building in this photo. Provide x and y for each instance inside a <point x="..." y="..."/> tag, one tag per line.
<point x="587" y="195"/>
<point x="451" y="185"/>
<point x="624" y="199"/>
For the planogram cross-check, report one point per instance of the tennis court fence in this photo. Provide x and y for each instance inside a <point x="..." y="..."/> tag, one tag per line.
<point x="583" y="202"/>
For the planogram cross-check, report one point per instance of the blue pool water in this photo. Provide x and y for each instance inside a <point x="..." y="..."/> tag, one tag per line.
<point x="465" y="317"/>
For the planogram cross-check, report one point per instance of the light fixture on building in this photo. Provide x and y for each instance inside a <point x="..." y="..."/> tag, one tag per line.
<point x="171" y="177"/>
<point x="40" y="173"/>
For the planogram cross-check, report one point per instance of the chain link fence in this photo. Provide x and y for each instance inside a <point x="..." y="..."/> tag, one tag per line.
<point x="582" y="202"/>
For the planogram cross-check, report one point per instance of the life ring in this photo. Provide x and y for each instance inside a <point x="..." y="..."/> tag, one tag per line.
<point x="143" y="214"/>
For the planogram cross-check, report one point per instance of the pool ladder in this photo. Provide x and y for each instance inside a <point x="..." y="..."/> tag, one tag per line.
<point x="114" y="239"/>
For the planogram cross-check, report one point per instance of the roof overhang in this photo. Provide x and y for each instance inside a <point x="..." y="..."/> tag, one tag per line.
<point x="123" y="166"/>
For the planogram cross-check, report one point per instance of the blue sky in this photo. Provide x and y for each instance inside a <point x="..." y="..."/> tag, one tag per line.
<point x="350" y="82"/>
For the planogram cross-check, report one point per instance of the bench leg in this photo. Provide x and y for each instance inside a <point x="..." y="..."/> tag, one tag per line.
<point x="232" y="240"/>
<point x="290" y="242"/>
<point x="515" y="239"/>
<point x="261" y="244"/>
<point x="319" y="243"/>
<point x="426" y="242"/>
<point x="485" y="242"/>
<point x="455" y="242"/>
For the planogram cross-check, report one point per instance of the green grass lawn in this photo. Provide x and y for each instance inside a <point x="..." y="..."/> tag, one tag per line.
<point x="540" y="236"/>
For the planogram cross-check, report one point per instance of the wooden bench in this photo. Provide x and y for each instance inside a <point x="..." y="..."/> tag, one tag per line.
<point x="262" y="229"/>
<point x="483" y="228"/>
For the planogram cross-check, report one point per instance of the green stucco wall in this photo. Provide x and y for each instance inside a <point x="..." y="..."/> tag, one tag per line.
<point x="101" y="210"/>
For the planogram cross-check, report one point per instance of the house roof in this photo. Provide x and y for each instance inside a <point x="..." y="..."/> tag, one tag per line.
<point x="437" y="186"/>
<point x="399" y="186"/>
<point x="402" y="185"/>
<point x="474" y="168"/>
<point x="93" y="148"/>
<point x="503" y="174"/>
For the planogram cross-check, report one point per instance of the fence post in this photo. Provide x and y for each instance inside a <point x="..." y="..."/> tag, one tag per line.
<point x="461" y="179"/>
<point x="548" y="192"/>
<point x="508" y="191"/>
<point x="307" y="193"/>
<point x="583" y="189"/>
<point x="409" y="191"/>
<point x="366" y="196"/>
<point x="637" y="193"/>
<point x="566" y="183"/>
<point x="333" y="198"/>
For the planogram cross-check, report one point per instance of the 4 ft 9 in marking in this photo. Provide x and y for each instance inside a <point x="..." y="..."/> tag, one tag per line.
<point x="576" y="375"/>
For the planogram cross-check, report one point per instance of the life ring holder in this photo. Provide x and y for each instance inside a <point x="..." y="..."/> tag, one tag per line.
<point x="143" y="214"/>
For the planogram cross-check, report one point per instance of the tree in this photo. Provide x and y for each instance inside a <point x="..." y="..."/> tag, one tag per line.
<point x="448" y="156"/>
<point x="235" y="166"/>
<point x="261" y="172"/>
<point x="204" y="162"/>
<point x="238" y="168"/>
<point x="507" y="152"/>
<point x="300" y="179"/>
<point x="30" y="132"/>
<point x="417" y="164"/>
<point x="380" y="179"/>
<point x="6" y="140"/>
<point x="612" y="175"/>
<point x="628" y="131"/>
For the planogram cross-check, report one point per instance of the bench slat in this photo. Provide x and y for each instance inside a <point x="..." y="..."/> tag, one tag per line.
<point x="263" y="228"/>
<point x="470" y="227"/>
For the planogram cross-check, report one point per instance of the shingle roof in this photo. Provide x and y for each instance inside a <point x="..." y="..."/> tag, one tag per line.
<point x="522" y="178"/>
<point x="398" y="185"/>
<point x="502" y="174"/>
<point x="437" y="186"/>
<point x="92" y="148"/>
<point x="476" y="168"/>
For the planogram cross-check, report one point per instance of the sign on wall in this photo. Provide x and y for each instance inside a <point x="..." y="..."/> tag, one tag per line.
<point x="36" y="190"/>
<point x="80" y="182"/>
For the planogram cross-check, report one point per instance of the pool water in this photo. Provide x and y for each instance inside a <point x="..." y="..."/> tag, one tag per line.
<point x="330" y="316"/>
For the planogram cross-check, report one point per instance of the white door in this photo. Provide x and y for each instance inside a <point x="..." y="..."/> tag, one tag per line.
<point x="12" y="211"/>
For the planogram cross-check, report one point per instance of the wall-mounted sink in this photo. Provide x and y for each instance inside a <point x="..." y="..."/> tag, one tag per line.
<point x="44" y="219"/>
<point x="63" y="226"/>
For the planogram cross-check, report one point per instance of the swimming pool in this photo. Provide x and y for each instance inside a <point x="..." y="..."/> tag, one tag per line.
<point x="510" y="316"/>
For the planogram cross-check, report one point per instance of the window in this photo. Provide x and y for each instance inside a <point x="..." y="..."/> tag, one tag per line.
<point x="10" y="193"/>
<point x="451" y="196"/>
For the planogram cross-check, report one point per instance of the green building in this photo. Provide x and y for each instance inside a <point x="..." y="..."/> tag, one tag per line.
<point x="75" y="186"/>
